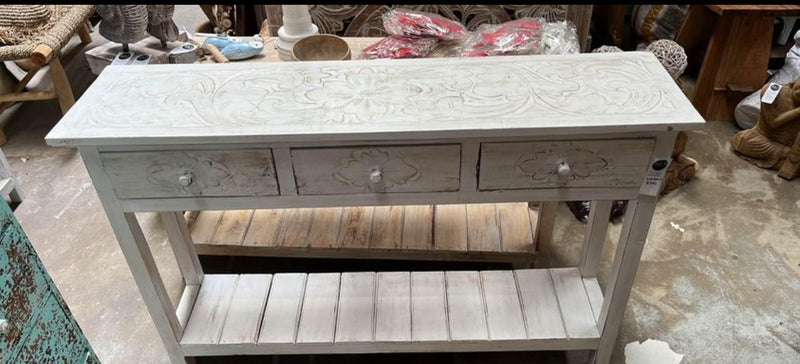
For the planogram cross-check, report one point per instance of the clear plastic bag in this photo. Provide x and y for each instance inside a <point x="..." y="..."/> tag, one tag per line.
<point x="408" y="22"/>
<point x="560" y="37"/>
<point x="396" y="46"/>
<point x="518" y="37"/>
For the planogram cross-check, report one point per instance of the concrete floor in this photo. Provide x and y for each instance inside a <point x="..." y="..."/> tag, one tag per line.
<point x="719" y="280"/>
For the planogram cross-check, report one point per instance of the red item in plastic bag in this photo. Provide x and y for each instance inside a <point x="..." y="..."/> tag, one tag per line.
<point x="397" y="46"/>
<point x="411" y="22"/>
<point x="521" y="36"/>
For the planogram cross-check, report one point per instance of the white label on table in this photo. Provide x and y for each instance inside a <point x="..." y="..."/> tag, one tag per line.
<point x="772" y="92"/>
<point x="122" y="58"/>
<point x="655" y="175"/>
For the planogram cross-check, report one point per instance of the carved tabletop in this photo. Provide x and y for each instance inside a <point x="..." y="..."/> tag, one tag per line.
<point x="413" y="98"/>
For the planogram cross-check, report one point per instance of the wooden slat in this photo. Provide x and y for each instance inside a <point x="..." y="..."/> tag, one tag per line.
<point x="387" y="227"/>
<point x="318" y="316"/>
<point x="355" y="321"/>
<point x="324" y="228"/>
<point x="418" y="227"/>
<point x="263" y="227"/>
<point x="203" y="227"/>
<point x="428" y="307"/>
<point x="208" y="316"/>
<point x="355" y="225"/>
<point x="231" y="227"/>
<point x="294" y="226"/>
<point x="283" y="308"/>
<point x="539" y="304"/>
<point x="466" y="312"/>
<point x="515" y="227"/>
<point x="503" y="311"/>
<point x="247" y="306"/>
<point x="579" y="320"/>
<point x="393" y="307"/>
<point x="482" y="228"/>
<point x="595" y="296"/>
<point x="450" y="228"/>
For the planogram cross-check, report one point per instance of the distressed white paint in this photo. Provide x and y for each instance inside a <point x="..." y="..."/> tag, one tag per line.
<point x="591" y="100"/>
<point x="377" y="99"/>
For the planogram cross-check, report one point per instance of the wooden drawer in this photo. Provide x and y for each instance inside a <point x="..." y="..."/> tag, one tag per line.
<point x="205" y="173"/>
<point x="377" y="169"/>
<point x="576" y="163"/>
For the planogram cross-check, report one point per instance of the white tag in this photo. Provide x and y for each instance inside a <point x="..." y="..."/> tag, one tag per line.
<point x="122" y="58"/>
<point x="655" y="175"/>
<point x="772" y="92"/>
<point x="141" y="59"/>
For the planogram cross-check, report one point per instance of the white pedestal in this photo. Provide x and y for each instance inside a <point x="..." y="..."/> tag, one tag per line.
<point x="296" y="25"/>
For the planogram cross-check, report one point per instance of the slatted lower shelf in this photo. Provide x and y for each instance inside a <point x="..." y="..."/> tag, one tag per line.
<point x="294" y="313"/>
<point x="502" y="232"/>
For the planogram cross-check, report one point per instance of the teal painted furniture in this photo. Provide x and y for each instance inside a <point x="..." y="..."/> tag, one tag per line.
<point x="35" y="324"/>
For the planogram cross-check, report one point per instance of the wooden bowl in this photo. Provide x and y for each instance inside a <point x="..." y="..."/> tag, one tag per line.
<point x="321" y="47"/>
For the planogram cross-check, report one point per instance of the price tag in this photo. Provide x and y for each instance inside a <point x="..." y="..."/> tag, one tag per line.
<point x="655" y="175"/>
<point x="772" y="92"/>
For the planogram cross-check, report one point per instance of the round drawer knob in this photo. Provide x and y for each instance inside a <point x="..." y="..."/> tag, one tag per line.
<point x="375" y="176"/>
<point x="185" y="180"/>
<point x="563" y="169"/>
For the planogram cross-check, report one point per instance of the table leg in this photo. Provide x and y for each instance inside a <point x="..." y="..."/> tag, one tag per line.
<point x="735" y="64"/>
<point x="182" y="246"/>
<point x="626" y="261"/>
<point x="139" y="257"/>
<point x="545" y="225"/>
<point x="638" y="217"/>
<point x="595" y="237"/>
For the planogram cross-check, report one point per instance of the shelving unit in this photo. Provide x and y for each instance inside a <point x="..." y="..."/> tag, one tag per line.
<point x="358" y="312"/>
<point x="474" y="232"/>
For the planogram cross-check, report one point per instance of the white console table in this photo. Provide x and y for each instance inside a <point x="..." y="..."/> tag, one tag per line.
<point x="170" y="138"/>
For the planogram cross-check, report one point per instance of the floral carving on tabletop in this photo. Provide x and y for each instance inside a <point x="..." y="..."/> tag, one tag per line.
<point x="360" y="96"/>
<point x="405" y="95"/>
<point x="542" y="165"/>
<point x="356" y="170"/>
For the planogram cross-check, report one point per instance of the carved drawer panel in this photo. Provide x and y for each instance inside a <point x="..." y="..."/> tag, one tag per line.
<point x="576" y="163"/>
<point x="379" y="169"/>
<point x="191" y="173"/>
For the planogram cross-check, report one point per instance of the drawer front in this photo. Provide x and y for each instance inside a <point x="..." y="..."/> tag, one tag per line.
<point x="575" y="163"/>
<point x="191" y="173"/>
<point x="378" y="169"/>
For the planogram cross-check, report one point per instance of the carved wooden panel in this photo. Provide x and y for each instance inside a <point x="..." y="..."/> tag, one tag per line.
<point x="606" y="163"/>
<point x="54" y="337"/>
<point x="377" y="169"/>
<point x="40" y="328"/>
<point x="23" y="283"/>
<point x="191" y="173"/>
<point x="293" y="100"/>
